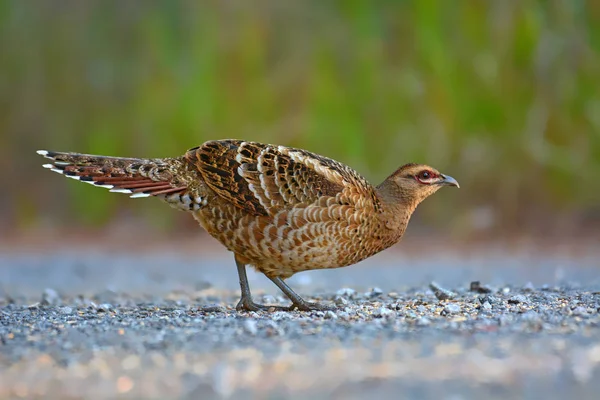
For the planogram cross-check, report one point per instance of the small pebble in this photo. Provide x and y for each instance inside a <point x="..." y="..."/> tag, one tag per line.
<point x="490" y="299"/>
<point x="347" y="292"/>
<point x="343" y="315"/>
<point x="476" y="287"/>
<point x="50" y="297"/>
<point x="340" y="301"/>
<point x="281" y="316"/>
<point x="452" y="308"/>
<point x="269" y="299"/>
<point x="214" y="308"/>
<point x="104" y="307"/>
<point x="516" y="299"/>
<point x="580" y="311"/>
<point x="375" y="292"/>
<point x="440" y="292"/>
<point x="383" y="312"/>
<point x="330" y="315"/>
<point x="66" y="310"/>
<point x="250" y="326"/>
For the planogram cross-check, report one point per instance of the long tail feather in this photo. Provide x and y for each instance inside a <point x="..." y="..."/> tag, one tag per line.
<point x="134" y="176"/>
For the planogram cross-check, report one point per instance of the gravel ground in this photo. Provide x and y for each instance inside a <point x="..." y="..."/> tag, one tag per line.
<point x="87" y="336"/>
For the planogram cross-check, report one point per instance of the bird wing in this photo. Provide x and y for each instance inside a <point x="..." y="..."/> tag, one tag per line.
<point x="265" y="179"/>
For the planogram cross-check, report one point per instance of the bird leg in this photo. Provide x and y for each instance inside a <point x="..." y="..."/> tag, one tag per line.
<point x="246" y="303"/>
<point x="297" y="301"/>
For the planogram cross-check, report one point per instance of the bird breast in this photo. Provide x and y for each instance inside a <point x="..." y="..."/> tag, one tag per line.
<point x="326" y="234"/>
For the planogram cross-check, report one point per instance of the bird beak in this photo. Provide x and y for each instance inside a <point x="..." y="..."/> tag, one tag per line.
<point x="448" y="181"/>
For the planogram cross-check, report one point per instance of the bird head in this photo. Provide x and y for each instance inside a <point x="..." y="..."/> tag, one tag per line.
<point x="414" y="183"/>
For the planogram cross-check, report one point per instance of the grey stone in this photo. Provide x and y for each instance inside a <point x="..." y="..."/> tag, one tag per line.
<point x="250" y="326"/>
<point x="330" y="315"/>
<point x="452" y="308"/>
<point x="383" y="312"/>
<point x="516" y="299"/>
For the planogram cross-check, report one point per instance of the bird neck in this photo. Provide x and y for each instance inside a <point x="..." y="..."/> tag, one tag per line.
<point x="398" y="204"/>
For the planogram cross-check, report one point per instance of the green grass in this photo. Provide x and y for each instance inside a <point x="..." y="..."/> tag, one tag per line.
<point x="505" y="96"/>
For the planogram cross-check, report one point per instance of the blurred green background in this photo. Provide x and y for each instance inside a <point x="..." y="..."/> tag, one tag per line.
<point x="502" y="95"/>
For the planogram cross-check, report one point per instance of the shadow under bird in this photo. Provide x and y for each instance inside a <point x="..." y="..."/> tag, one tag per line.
<point x="279" y="209"/>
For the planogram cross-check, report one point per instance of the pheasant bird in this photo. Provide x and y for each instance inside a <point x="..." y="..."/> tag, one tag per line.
<point x="279" y="209"/>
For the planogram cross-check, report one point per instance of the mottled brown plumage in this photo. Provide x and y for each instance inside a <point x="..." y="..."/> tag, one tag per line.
<point x="279" y="209"/>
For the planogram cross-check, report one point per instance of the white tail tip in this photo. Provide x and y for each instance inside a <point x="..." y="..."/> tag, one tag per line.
<point x="42" y="152"/>
<point x="138" y="195"/>
<point x="53" y="169"/>
<point x="121" y="191"/>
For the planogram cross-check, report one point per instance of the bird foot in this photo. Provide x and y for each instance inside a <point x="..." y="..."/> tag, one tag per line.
<point x="249" y="305"/>
<point x="309" y="306"/>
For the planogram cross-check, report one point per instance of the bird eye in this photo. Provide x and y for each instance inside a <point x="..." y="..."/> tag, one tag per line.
<point x="424" y="175"/>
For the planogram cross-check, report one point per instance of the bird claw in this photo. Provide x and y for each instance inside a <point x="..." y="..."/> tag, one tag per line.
<point x="309" y="306"/>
